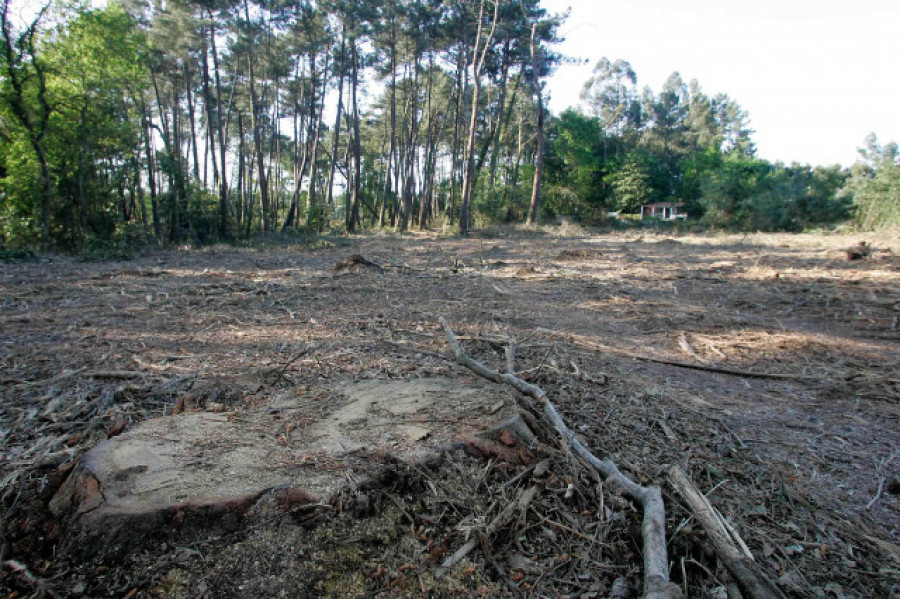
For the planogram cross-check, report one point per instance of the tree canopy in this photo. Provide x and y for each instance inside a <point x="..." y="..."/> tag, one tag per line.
<point x="200" y="120"/>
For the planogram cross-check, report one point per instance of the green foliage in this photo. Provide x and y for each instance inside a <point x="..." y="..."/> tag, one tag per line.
<point x="878" y="200"/>
<point x="201" y="216"/>
<point x="726" y="193"/>
<point x="578" y="144"/>
<point x="16" y="255"/>
<point x="875" y="187"/>
<point x="119" y="246"/>
<point x="611" y="95"/>
<point x="752" y="195"/>
<point x="574" y="168"/>
<point x="631" y="185"/>
<point x="697" y="170"/>
<point x="680" y="146"/>
<point x="93" y="68"/>
<point x="19" y="193"/>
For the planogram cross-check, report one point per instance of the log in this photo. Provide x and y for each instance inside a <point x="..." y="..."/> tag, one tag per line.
<point x="653" y="527"/>
<point x="357" y="259"/>
<point x="729" y="547"/>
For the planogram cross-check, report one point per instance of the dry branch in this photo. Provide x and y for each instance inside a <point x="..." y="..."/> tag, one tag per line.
<point x="728" y="546"/>
<point x="115" y="374"/>
<point x="580" y="340"/>
<point x="653" y="528"/>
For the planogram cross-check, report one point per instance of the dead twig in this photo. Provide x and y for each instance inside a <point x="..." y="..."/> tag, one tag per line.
<point x="653" y="528"/>
<point x="729" y="547"/>
<point x="40" y="587"/>
<point x="503" y="518"/>
<point x="877" y="494"/>
<point x="582" y="376"/>
<point x="295" y="358"/>
<point x="568" y="529"/>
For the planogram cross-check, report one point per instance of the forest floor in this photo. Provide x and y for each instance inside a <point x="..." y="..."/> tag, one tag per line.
<point x="766" y="366"/>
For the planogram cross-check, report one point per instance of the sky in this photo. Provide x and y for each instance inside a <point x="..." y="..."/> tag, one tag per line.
<point x="816" y="76"/>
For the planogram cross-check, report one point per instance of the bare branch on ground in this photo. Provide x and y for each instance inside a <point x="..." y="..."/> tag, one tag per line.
<point x="653" y="528"/>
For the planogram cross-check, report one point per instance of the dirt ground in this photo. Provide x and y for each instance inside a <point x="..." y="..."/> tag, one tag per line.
<point x="766" y="366"/>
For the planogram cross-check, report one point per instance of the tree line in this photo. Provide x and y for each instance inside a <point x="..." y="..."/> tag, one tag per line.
<point x="203" y="120"/>
<point x="632" y="147"/>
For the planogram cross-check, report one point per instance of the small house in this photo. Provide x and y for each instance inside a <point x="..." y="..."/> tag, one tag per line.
<point x="662" y="211"/>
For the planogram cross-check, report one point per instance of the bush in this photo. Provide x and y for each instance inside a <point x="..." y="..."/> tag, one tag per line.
<point x="877" y="198"/>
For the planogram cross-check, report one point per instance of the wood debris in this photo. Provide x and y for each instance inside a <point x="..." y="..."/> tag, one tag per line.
<point x="776" y="396"/>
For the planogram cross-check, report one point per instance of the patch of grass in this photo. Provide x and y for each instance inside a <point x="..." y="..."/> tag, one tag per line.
<point x="106" y="254"/>
<point x="102" y="250"/>
<point x="126" y="244"/>
<point x="298" y="239"/>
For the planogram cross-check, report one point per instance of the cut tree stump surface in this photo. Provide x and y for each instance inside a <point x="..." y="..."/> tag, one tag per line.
<point x="218" y="462"/>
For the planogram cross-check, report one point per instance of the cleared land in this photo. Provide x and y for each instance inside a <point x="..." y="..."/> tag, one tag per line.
<point x="767" y="367"/>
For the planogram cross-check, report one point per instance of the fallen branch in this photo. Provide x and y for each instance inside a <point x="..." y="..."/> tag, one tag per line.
<point x="114" y="374"/>
<point x="56" y="379"/>
<point x="653" y="528"/>
<point x="680" y="364"/>
<point x="729" y="547"/>
<point x="278" y="374"/>
<point x="357" y="259"/>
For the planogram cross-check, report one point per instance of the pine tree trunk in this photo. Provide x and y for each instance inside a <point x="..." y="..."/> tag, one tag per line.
<point x="461" y="85"/>
<point x="409" y="170"/>
<point x="242" y="213"/>
<point x="357" y="150"/>
<point x="425" y="204"/>
<point x="316" y="216"/>
<point x="393" y="141"/>
<point x="258" y="149"/>
<point x="180" y="196"/>
<point x="210" y="152"/>
<point x="337" y="131"/>
<point x="223" y="181"/>
<point x="539" y="157"/>
<point x="293" y="217"/>
<point x="469" y="166"/>
<point x="190" y="102"/>
<point x="151" y="177"/>
<point x="257" y="135"/>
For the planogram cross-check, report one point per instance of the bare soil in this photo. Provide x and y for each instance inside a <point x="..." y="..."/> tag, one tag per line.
<point x="767" y="367"/>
